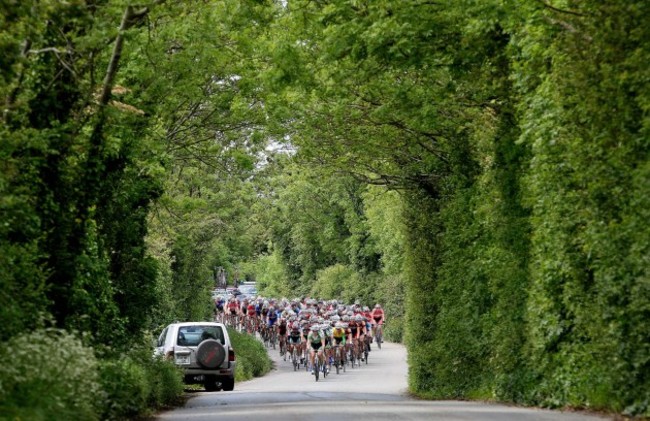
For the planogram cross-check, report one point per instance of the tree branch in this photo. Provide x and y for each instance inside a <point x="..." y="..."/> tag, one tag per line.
<point x="129" y="18"/>
<point x="47" y="50"/>
<point x="111" y="71"/>
<point x="555" y="9"/>
<point x="11" y="98"/>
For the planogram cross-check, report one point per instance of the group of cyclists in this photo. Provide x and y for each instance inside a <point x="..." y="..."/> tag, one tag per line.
<point x="315" y="334"/>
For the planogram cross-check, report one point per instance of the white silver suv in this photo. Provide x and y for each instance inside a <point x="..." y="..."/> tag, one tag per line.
<point x="203" y="350"/>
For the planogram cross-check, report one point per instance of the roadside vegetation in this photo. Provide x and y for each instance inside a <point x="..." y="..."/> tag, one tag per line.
<point x="54" y="375"/>
<point x="481" y="168"/>
<point x="252" y="358"/>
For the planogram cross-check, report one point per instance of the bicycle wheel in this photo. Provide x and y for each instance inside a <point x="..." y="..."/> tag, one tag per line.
<point x="317" y="368"/>
<point x="337" y="360"/>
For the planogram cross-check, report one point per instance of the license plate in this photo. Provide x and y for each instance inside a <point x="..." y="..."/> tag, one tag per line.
<point x="182" y="359"/>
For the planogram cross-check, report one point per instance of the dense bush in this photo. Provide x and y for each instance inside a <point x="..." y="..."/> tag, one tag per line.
<point x="126" y="387"/>
<point x="252" y="359"/>
<point x="49" y="374"/>
<point x="134" y="385"/>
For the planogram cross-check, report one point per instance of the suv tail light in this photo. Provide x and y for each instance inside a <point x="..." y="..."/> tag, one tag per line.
<point x="231" y="355"/>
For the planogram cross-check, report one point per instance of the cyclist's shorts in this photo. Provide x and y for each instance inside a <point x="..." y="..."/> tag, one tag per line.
<point x="294" y="339"/>
<point x="338" y="341"/>
<point x="315" y="346"/>
<point x="271" y="322"/>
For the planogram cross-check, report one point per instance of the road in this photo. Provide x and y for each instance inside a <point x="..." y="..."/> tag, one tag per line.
<point x="376" y="391"/>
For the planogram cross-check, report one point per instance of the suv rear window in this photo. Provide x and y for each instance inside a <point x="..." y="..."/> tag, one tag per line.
<point x="194" y="335"/>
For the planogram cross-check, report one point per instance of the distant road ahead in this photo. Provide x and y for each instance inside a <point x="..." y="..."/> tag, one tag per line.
<point x="376" y="391"/>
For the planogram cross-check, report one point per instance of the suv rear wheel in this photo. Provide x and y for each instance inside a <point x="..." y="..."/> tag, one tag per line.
<point x="228" y="384"/>
<point x="211" y="384"/>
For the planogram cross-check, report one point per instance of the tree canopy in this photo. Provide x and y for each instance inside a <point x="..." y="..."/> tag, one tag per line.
<point x="480" y="167"/>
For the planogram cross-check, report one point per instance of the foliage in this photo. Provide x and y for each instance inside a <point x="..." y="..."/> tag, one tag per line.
<point x="135" y="384"/>
<point x="337" y="281"/>
<point x="49" y="374"/>
<point x="480" y="168"/>
<point x="92" y="135"/>
<point x="583" y="190"/>
<point x="517" y="136"/>
<point x="252" y="359"/>
<point x="270" y="275"/>
<point x="52" y="375"/>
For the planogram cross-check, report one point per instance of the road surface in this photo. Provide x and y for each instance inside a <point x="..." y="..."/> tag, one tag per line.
<point x="376" y="391"/>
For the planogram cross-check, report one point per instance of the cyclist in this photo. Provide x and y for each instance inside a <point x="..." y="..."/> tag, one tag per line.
<point x="338" y="333"/>
<point x="354" y="335"/>
<point x="282" y="334"/>
<point x="219" y="304"/>
<point x="378" y="318"/>
<point x="233" y="310"/>
<point x="271" y="317"/>
<point x="363" y="337"/>
<point x="338" y="336"/>
<point x="294" y="339"/>
<point x="316" y="342"/>
<point x="326" y="328"/>
<point x="251" y="317"/>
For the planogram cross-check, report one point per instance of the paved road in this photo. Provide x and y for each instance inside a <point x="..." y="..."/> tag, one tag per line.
<point x="376" y="391"/>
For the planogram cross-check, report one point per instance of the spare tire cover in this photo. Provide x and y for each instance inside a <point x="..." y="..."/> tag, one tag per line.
<point x="210" y="353"/>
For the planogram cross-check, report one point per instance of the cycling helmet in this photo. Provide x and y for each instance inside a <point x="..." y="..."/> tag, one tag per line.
<point x="346" y="318"/>
<point x="339" y="324"/>
<point x="365" y="308"/>
<point x="359" y="318"/>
